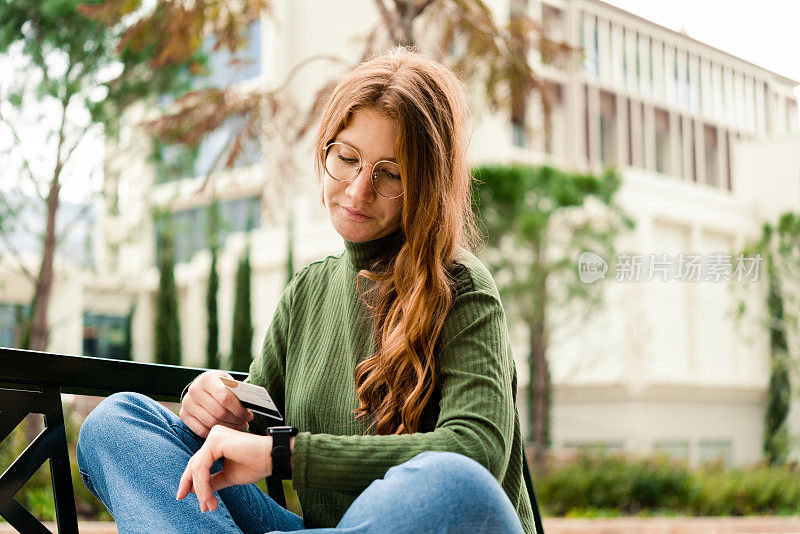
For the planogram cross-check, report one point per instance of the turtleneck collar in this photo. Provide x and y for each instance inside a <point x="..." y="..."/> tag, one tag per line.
<point x="363" y="255"/>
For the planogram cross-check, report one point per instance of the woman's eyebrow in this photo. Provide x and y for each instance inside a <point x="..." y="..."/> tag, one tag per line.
<point x="345" y="141"/>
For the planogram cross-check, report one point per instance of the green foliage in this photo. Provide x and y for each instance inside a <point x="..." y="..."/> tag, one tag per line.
<point x="548" y="217"/>
<point x="167" y="327"/>
<point x="173" y="162"/>
<point x="614" y="483"/>
<point x="53" y="35"/>
<point x="779" y="391"/>
<point x="538" y="220"/>
<point x="212" y="321"/>
<point x="594" y="486"/>
<point x="779" y="247"/>
<point x="212" y="344"/>
<point x="241" y="346"/>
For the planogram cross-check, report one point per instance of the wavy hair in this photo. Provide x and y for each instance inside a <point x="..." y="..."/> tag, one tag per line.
<point x="412" y="290"/>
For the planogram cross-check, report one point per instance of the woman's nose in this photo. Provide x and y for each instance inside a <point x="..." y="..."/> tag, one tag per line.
<point x="361" y="186"/>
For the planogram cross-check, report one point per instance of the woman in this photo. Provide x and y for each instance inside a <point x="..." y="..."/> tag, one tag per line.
<point x="392" y="360"/>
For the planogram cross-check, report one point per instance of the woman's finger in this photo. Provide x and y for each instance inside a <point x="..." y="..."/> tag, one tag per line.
<point x="219" y="481"/>
<point x="208" y="419"/>
<point x="231" y="402"/>
<point x="194" y="424"/>
<point x="201" y="473"/>
<point x="220" y="412"/>
<point x="185" y="484"/>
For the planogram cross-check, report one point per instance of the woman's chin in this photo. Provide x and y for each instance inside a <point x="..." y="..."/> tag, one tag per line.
<point x="355" y="232"/>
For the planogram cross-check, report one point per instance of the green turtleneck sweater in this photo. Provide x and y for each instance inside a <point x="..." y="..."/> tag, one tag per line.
<point x="320" y="332"/>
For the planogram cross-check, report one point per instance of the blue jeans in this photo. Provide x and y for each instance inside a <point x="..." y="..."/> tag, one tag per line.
<point x="132" y="452"/>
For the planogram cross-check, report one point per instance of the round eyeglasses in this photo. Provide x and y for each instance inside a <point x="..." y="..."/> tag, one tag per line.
<point x="343" y="163"/>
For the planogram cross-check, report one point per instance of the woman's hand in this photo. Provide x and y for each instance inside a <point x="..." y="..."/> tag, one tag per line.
<point x="247" y="459"/>
<point x="208" y="403"/>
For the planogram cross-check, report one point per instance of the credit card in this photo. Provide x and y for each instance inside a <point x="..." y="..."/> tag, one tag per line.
<point x="253" y="397"/>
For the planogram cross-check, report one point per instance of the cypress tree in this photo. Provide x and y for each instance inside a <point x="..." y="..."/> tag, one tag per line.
<point x="212" y="344"/>
<point x="242" y="342"/>
<point x="290" y="248"/>
<point x="168" y="334"/>
<point x="779" y="391"/>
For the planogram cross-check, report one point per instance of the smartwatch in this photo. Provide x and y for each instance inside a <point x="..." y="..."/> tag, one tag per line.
<point x="281" y="452"/>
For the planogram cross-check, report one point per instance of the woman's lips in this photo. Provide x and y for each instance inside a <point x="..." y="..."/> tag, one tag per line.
<point x="354" y="216"/>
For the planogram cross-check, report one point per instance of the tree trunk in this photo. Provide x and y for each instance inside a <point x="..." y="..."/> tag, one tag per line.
<point x="40" y="330"/>
<point x="539" y="395"/>
<point x="539" y="381"/>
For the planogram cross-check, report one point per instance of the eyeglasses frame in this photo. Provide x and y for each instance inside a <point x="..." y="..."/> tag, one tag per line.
<point x="361" y="165"/>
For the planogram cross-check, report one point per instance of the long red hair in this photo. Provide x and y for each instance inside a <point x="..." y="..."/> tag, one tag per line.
<point x="413" y="290"/>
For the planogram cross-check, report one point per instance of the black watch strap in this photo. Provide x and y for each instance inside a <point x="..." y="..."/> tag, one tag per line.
<point x="281" y="451"/>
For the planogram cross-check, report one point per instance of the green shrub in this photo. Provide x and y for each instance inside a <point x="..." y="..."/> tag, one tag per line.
<point x="594" y="486"/>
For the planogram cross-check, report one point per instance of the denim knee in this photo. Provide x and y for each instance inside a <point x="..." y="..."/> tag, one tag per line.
<point x="105" y="426"/>
<point x="455" y="470"/>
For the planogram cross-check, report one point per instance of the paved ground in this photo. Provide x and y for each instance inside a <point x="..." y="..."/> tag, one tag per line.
<point x="695" y="525"/>
<point x="701" y="525"/>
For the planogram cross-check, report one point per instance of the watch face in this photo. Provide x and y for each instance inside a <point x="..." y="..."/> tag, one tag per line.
<point x="282" y="430"/>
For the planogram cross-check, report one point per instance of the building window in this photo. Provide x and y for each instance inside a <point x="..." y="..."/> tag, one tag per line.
<point x="728" y="158"/>
<point x="624" y="56"/>
<point x="650" y="46"/>
<point x="679" y="149"/>
<point x="586" y="125"/>
<point x="517" y="134"/>
<point x="191" y="225"/>
<point x="687" y="84"/>
<point x="674" y="450"/>
<point x="608" y="129"/>
<point x="106" y="336"/>
<point x="715" y="451"/>
<point x="216" y="147"/>
<point x="693" y="150"/>
<point x="717" y="91"/>
<point x="11" y="316"/>
<point x="643" y="138"/>
<point x="712" y="155"/>
<point x="174" y="162"/>
<point x="638" y="62"/>
<point x="676" y="85"/>
<point x="589" y="43"/>
<point x="225" y="69"/>
<point x="662" y="141"/>
<point x="596" y="47"/>
<point x="630" y="131"/>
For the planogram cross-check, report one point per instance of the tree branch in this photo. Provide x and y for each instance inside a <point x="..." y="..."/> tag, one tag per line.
<point x="25" y="162"/>
<point x="70" y="225"/>
<point x="421" y="6"/>
<point x="391" y="20"/>
<point x="17" y="256"/>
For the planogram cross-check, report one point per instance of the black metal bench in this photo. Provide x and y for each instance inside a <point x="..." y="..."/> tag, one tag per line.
<point x="32" y="383"/>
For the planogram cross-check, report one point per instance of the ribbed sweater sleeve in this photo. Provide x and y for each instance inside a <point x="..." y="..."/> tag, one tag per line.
<point x="476" y="410"/>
